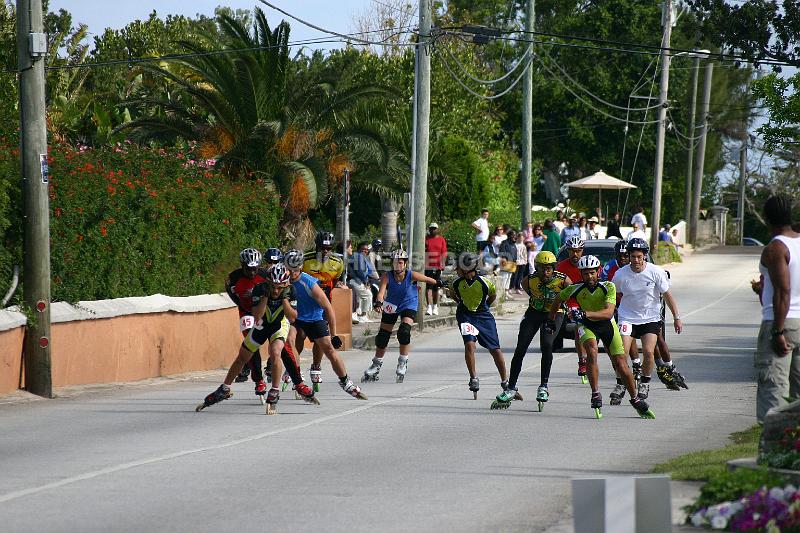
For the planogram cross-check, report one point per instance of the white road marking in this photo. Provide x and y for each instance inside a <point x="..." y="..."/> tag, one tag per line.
<point x="133" y="464"/>
<point x="718" y="300"/>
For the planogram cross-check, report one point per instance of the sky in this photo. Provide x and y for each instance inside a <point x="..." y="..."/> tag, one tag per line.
<point x="101" y="14"/>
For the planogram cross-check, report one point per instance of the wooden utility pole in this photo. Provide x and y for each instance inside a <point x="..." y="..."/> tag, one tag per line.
<point x="32" y="47"/>
<point x="697" y="187"/>
<point x="655" y="218"/>
<point x="527" y="120"/>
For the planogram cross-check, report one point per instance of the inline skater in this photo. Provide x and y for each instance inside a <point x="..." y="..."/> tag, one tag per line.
<point x="272" y="256"/>
<point x="621" y="259"/>
<point x="595" y="316"/>
<point x="542" y="286"/>
<point x="641" y="286"/>
<point x="274" y="302"/>
<point x="569" y="266"/>
<point x="397" y="298"/>
<point x="328" y="268"/>
<point x="239" y="287"/>
<point x="474" y="295"/>
<point x="315" y="319"/>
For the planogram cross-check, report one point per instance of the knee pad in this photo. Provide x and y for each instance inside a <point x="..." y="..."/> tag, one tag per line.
<point x="404" y="334"/>
<point x="382" y="338"/>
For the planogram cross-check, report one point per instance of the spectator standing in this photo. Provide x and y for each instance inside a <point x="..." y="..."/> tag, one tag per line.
<point x="361" y="273"/>
<point x="593" y="232"/>
<point x="522" y="264"/>
<point x="636" y="233"/>
<point x="507" y="256"/>
<point x="558" y="223"/>
<point x="613" y="227"/>
<point x="778" y="350"/>
<point x="664" y="235"/>
<point x="481" y="227"/>
<point x="498" y="237"/>
<point x="640" y="218"/>
<point x="583" y="224"/>
<point x="435" y="259"/>
<point x="538" y="240"/>
<point x="573" y="230"/>
<point x="527" y="233"/>
<point x="552" y="240"/>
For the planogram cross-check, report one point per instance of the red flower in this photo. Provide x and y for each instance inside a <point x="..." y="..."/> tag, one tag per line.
<point x="58" y="211"/>
<point x="103" y="231"/>
<point x="153" y="194"/>
<point x="111" y="190"/>
<point x="225" y="221"/>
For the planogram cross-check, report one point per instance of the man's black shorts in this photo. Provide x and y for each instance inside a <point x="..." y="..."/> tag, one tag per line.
<point x="637" y="330"/>
<point x="435" y="274"/>
<point x="313" y="330"/>
<point x="387" y="318"/>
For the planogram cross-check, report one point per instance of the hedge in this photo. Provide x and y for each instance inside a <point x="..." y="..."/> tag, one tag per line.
<point x="131" y="221"/>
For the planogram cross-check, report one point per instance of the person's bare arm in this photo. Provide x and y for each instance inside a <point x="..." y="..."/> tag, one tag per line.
<point x="288" y="311"/>
<point x="673" y="308"/>
<point x="382" y="288"/>
<point x="416" y="276"/>
<point x="606" y="314"/>
<point x="319" y="296"/>
<point x="555" y="306"/>
<point x="776" y="258"/>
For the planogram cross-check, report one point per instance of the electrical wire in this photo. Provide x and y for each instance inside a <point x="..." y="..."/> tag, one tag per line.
<point x="525" y="58"/>
<point x="331" y="32"/>
<point x="479" y="95"/>
<point x="599" y="99"/>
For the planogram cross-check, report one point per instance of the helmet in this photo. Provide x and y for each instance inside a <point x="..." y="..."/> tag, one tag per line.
<point x="638" y="244"/>
<point x="545" y="258"/>
<point x="273" y="255"/>
<point x="575" y="242"/>
<point x="277" y="274"/>
<point x="468" y="261"/>
<point x="377" y="243"/>
<point x="621" y="247"/>
<point x="294" y="259"/>
<point x="250" y="257"/>
<point x="324" y="238"/>
<point x="399" y="254"/>
<point x="588" y="262"/>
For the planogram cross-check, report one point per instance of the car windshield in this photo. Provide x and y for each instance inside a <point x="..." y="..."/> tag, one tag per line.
<point x="603" y="249"/>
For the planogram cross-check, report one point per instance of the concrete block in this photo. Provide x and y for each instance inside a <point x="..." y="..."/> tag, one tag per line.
<point x="618" y="504"/>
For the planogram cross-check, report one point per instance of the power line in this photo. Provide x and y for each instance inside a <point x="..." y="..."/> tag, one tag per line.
<point x="524" y="59"/>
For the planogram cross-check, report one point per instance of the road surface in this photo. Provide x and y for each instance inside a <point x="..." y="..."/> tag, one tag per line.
<point x="421" y="456"/>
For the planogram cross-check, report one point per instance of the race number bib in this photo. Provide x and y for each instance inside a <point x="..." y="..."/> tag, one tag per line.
<point x="246" y="322"/>
<point x="625" y="329"/>
<point x="468" y="329"/>
<point x="389" y="308"/>
<point x="581" y="331"/>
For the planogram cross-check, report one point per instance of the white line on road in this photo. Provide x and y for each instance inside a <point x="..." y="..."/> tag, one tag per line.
<point x="718" y="300"/>
<point x="133" y="464"/>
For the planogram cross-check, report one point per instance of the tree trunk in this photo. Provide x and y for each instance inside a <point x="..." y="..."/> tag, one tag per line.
<point x="552" y="186"/>
<point x="389" y="223"/>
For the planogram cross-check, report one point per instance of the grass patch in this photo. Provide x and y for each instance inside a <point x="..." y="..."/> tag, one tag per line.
<point x="700" y="466"/>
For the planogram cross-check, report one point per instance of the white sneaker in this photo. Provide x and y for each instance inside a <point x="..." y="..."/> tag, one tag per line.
<point x="429" y="310"/>
<point x="435" y="309"/>
<point x="356" y="320"/>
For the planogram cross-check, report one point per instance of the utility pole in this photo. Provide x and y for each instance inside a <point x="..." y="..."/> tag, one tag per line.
<point x="687" y="197"/>
<point x="742" y="188"/>
<point x="661" y="130"/>
<point x="697" y="187"/>
<point x="31" y="49"/>
<point x="422" y="88"/>
<point x="527" y="121"/>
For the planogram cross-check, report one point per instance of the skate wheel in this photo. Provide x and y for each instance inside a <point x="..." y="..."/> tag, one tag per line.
<point x="518" y="397"/>
<point x="200" y="407"/>
<point x="297" y="396"/>
<point x="400" y="379"/>
<point x="311" y="400"/>
<point x="474" y="395"/>
<point x="271" y="409"/>
<point x="316" y="387"/>
<point x="284" y="386"/>
<point x="597" y="414"/>
<point x="263" y="399"/>
<point x="584" y="381"/>
<point x="648" y="415"/>
<point x="541" y="406"/>
<point x="361" y="396"/>
<point x="496" y="405"/>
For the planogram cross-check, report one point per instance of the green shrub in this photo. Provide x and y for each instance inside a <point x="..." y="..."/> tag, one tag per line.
<point x="460" y="236"/>
<point x="465" y="191"/>
<point x="129" y="221"/>
<point x="730" y="486"/>
<point x="666" y="253"/>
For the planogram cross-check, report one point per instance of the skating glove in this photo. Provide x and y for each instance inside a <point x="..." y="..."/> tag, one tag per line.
<point x="578" y="315"/>
<point x="377" y="304"/>
<point x="336" y="341"/>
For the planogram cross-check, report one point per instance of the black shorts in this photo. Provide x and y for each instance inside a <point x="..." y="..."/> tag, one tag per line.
<point x="637" y="330"/>
<point x="435" y="274"/>
<point x="313" y="330"/>
<point x="481" y="246"/>
<point x="391" y="318"/>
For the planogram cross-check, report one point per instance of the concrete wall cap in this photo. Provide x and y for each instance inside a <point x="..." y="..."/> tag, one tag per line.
<point x="11" y="318"/>
<point x="157" y="303"/>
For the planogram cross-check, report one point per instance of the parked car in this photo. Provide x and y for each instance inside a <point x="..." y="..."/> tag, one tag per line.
<point x="750" y="241"/>
<point x="603" y="249"/>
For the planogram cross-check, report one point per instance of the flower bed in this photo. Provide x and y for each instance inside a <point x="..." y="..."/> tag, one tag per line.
<point x="771" y="510"/>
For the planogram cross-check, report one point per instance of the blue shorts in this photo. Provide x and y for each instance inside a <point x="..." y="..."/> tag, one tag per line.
<point x="484" y="322"/>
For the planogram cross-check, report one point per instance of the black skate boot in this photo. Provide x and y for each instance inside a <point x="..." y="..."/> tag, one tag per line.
<point x="642" y="408"/>
<point x="597" y="404"/>
<point x="474" y="385"/>
<point x="272" y="400"/>
<point x="670" y="377"/>
<point x="636" y="370"/>
<point x="616" y="396"/>
<point x="244" y="375"/>
<point x="582" y="371"/>
<point x="223" y="392"/>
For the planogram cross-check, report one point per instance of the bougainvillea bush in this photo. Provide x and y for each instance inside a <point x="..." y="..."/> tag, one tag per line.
<point x="132" y="221"/>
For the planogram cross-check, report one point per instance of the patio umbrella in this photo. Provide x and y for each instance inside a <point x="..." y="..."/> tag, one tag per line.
<point x="600" y="180"/>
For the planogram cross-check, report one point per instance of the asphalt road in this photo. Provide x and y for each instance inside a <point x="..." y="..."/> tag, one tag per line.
<point x="421" y="456"/>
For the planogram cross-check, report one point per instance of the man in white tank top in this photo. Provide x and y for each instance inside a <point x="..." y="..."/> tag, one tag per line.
<point x="777" y="358"/>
